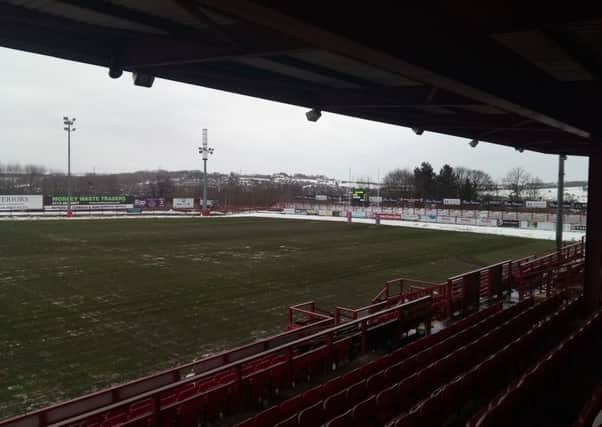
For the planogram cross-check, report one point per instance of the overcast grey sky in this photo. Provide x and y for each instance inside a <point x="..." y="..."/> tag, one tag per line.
<point x="121" y="127"/>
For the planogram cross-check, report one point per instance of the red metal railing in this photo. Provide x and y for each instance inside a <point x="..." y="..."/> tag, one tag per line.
<point x="306" y="313"/>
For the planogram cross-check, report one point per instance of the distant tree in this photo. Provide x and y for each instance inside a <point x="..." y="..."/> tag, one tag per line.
<point x="472" y="182"/>
<point x="397" y="184"/>
<point x="517" y="180"/>
<point x="467" y="190"/>
<point x="532" y="188"/>
<point x="424" y="181"/>
<point x="447" y="184"/>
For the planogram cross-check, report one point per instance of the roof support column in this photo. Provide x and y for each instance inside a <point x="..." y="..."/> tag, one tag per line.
<point x="593" y="256"/>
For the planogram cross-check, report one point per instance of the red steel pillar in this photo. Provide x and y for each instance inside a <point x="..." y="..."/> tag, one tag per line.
<point x="593" y="243"/>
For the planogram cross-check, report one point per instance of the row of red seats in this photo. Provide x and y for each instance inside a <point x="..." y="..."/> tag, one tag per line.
<point x="143" y="409"/>
<point x="534" y="397"/>
<point x="483" y="376"/>
<point x="353" y="385"/>
<point x="368" y="407"/>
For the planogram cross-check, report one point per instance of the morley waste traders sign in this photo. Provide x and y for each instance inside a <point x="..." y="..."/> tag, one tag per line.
<point x="21" y="202"/>
<point x="89" y="202"/>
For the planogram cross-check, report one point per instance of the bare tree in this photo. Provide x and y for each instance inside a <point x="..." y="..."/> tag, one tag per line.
<point x="398" y="183"/>
<point x="532" y="188"/>
<point x="517" y="181"/>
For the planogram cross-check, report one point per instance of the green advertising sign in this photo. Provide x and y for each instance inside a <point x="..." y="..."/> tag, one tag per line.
<point x="88" y="199"/>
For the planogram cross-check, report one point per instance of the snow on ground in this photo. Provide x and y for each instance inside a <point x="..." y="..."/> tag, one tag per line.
<point x="500" y="231"/>
<point x="577" y="193"/>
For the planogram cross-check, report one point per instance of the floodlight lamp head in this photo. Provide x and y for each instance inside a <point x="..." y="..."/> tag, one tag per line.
<point x="143" y="79"/>
<point x="418" y="131"/>
<point x="65" y="118"/>
<point x="115" y="71"/>
<point x="313" y="115"/>
<point x="474" y="143"/>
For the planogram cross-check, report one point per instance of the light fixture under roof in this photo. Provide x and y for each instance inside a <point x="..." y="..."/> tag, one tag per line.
<point x="313" y="115"/>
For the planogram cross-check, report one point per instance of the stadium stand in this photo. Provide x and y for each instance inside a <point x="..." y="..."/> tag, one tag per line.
<point x="387" y="363"/>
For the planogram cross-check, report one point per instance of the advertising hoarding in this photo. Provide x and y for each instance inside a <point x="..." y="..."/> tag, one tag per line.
<point x="150" y="203"/>
<point x="536" y="204"/>
<point x="452" y="202"/>
<point x="183" y="203"/>
<point x="88" y="202"/>
<point x="392" y="216"/>
<point x="466" y="221"/>
<point x="489" y="222"/>
<point x="410" y="217"/>
<point x="21" y="202"/>
<point x="428" y="218"/>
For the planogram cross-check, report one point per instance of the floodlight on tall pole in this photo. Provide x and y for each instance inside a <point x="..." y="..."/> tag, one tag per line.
<point x="69" y="127"/>
<point x="205" y="150"/>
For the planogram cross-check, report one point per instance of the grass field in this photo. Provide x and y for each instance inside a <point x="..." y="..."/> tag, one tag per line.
<point x="84" y="304"/>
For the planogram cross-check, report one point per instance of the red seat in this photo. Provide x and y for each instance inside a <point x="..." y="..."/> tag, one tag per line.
<point x="312" y="416"/>
<point x="289" y="422"/>
<point x="191" y="410"/>
<point x="168" y="400"/>
<point x="356" y="392"/>
<point x="406" y="394"/>
<point x="343" y="420"/>
<point x="206" y="385"/>
<point x="341" y="351"/>
<point x="387" y="403"/>
<point x="186" y="391"/>
<point x="334" y="385"/>
<point x="384" y="362"/>
<point x="257" y="386"/>
<point x="115" y="420"/>
<point x="335" y="404"/>
<point x="299" y="371"/>
<point x="353" y="377"/>
<point x="411" y="419"/>
<point x="375" y="383"/>
<point x="316" y="362"/>
<point x="364" y="413"/>
<point x="279" y="376"/>
<point x="249" y="422"/>
<point x="269" y="417"/>
<point x="313" y="395"/>
<point x="291" y="406"/>
<point x="216" y="401"/>
<point x="143" y="407"/>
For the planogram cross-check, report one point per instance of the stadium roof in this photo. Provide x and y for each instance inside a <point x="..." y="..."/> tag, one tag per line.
<point x="490" y="71"/>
